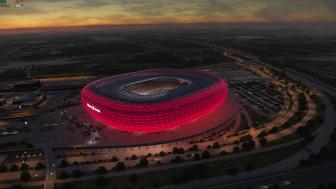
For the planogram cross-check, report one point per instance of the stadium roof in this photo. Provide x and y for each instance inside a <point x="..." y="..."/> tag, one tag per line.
<point x="116" y="87"/>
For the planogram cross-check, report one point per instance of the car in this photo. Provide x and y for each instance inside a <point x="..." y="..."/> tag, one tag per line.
<point x="285" y="183"/>
<point x="261" y="187"/>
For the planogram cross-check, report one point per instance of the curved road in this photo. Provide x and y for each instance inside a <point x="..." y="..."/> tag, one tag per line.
<point x="288" y="164"/>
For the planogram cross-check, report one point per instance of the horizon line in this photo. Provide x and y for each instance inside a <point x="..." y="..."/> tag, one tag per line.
<point x="162" y="24"/>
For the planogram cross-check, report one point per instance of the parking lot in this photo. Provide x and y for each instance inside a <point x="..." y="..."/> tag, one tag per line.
<point x="263" y="97"/>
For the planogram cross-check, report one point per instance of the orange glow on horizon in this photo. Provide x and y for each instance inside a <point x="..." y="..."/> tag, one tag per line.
<point x="72" y="13"/>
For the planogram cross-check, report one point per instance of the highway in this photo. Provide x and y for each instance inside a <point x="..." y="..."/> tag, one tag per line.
<point x="298" y="178"/>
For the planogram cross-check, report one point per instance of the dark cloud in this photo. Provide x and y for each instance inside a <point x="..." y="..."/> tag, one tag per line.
<point x="287" y="10"/>
<point x="214" y="6"/>
<point x="211" y="10"/>
<point x="91" y="3"/>
<point x="77" y="3"/>
<point x="22" y="11"/>
<point x="331" y="4"/>
<point x="175" y="10"/>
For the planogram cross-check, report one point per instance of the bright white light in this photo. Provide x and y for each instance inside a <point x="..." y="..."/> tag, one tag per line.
<point x="92" y="107"/>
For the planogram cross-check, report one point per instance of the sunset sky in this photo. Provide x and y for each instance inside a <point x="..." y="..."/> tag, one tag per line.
<point x="46" y="13"/>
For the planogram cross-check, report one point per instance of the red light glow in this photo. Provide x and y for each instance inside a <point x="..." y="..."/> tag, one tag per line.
<point x="154" y="117"/>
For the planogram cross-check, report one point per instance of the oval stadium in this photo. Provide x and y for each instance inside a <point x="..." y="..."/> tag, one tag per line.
<point x="153" y="100"/>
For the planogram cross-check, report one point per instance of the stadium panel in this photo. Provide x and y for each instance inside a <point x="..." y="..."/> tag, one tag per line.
<point x="129" y="102"/>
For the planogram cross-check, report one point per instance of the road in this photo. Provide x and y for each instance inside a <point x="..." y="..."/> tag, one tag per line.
<point x="299" y="178"/>
<point x="305" y="179"/>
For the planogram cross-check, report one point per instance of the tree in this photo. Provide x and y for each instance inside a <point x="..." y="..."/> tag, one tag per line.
<point x="133" y="178"/>
<point x="101" y="170"/>
<point x="14" y="167"/>
<point x="162" y="153"/>
<point x="246" y="146"/>
<point x="263" y="141"/>
<point x="194" y="147"/>
<point x="197" y="156"/>
<point x="24" y="167"/>
<point x="178" y="150"/>
<point x="175" y="150"/>
<point x="17" y="186"/>
<point x="64" y="163"/>
<point x="143" y="162"/>
<point x="134" y="157"/>
<point x="245" y="138"/>
<point x="25" y="176"/>
<point x="39" y="166"/>
<point x="205" y="154"/>
<point x="262" y="134"/>
<point x="114" y="159"/>
<point x="62" y="175"/>
<point x="3" y="168"/>
<point x="216" y="145"/>
<point x="236" y="149"/>
<point x="274" y="130"/>
<point x="120" y="166"/>
<point x="76" y="173"/>
<point x="223" y="152"/>
<point x="177" y="159"/>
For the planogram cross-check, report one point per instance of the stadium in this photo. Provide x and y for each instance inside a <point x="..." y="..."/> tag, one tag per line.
<point x="153" y="100"/>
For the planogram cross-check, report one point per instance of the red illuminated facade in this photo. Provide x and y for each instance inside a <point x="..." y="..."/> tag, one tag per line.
<point x="156" y="114"/>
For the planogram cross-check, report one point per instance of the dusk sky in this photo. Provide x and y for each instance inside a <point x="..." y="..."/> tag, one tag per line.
<point x="45" y="13"/>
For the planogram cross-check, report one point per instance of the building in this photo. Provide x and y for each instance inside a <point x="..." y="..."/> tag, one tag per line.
<point x="153" y="100"/>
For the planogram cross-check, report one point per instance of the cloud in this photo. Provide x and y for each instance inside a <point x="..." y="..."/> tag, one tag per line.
<point x="297" y="10"/>
<point x="163" y="11"/>
<point x="21" y="11"/>
<point x="331" y="4"/>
